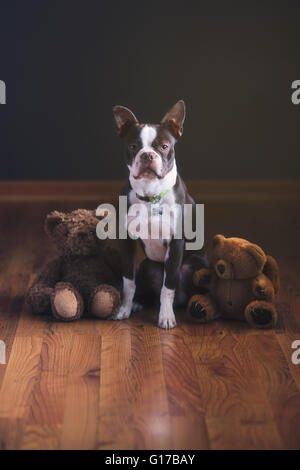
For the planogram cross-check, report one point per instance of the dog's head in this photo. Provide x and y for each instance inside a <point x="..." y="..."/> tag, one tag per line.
<point x="149" y="148"/>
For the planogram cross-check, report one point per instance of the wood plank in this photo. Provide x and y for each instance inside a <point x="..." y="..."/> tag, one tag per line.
<point x="183" y="391"/>
<point x="238" y="412"/>
<point x="189" y="432"/>
<point x="11" y="432"/>
<point x="40" y="437"/>
<point x="49" y="392"/>
<point x="151" y="411"/>
<point x="116" y="394"/>
<point x="279" y="385"/>
<point x="228" y="381"/>
<point x="79" y="429"/>
<point x="182" y="384"/>
<point x="20" y="377"/>
<point x="232" y="433"/>
<point x="133" y="410"/>
<point x="18" y="260"/>
<point x="13" y="281"/>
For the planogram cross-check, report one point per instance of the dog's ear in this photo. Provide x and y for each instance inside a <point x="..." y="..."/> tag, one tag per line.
<point x="124" y="119"/>
<point x="174" y="119"/>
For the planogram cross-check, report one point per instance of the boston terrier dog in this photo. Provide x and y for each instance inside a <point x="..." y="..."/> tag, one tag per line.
<point x="154" y="180"/>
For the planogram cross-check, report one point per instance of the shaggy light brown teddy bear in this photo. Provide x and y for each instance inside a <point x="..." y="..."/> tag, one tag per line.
<point x="242" y="284"/>
<point x="85" y="276"/>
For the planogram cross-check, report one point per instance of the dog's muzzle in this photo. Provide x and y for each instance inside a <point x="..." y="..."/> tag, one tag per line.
<point x="148" y="165"/>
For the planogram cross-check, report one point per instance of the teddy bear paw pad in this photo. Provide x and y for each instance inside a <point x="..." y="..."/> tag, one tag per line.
<point x="65" y="304"/>
<point x="197" y="311"/>
<point x="105" y="302"/>
<point x="261" y="316"/>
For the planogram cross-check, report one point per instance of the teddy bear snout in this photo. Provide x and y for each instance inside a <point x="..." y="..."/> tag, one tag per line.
<point x="82" y="235"/>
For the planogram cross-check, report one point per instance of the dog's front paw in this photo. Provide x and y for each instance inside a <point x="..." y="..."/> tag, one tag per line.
<point x="122" y="314"/>
<point x="166" y="320"/>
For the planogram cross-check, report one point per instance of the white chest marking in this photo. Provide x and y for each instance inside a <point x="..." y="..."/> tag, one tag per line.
<point x="156" y="250"/>
<point x="158" y="237"/>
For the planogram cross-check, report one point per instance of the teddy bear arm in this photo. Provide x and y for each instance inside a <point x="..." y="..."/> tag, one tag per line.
<point x="203" y="277"/>
<point x="50" y="275"/>
<point x="262" y="288"/>
<point x="271" y="270"/>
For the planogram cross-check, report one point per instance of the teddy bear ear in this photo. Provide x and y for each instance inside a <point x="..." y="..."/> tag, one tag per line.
<point x="218" y="239"/>
<point x="257" y="254"/>
<point x="52" y="221"/>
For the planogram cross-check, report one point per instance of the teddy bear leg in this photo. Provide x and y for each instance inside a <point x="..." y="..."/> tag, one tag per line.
<point x="202" y="308"/>
<point x="104" y="301"/>
<point x="66" y="302"/>
<point x="261" y="314"/>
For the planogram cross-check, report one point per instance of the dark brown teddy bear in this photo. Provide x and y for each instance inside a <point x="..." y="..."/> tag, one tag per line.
<point x="86" y="275"/>
<point x="242" y="284"/>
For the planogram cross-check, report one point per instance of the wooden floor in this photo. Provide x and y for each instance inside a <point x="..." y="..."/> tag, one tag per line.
<point x="130" y="385"/>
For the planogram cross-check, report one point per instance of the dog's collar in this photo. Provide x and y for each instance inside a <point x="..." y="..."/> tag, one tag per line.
<point x="153" y="198"/>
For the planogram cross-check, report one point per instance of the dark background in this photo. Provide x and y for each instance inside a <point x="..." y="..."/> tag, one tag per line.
<point x="66" y="63"/>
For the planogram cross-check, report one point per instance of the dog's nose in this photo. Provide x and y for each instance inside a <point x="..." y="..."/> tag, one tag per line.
<point x="221" y="268"/>
<point x="147" y="157"/>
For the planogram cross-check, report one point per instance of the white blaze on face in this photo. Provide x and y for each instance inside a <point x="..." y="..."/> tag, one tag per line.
<point x="147" y="136"/>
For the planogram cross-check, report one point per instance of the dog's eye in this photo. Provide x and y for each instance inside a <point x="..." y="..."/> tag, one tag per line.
<point x="164" y="146"/>
<point x="132" y="147"/>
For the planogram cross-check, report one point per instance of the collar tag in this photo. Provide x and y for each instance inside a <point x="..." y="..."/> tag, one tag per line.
<point x="156" y="210"/>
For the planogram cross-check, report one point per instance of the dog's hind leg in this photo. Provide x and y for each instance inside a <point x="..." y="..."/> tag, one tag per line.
<point x="186" y="288"/>
<point x="149" y="280"/>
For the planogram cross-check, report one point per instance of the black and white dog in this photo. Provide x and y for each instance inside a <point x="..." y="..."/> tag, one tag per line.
<point x="153" y="179"/>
